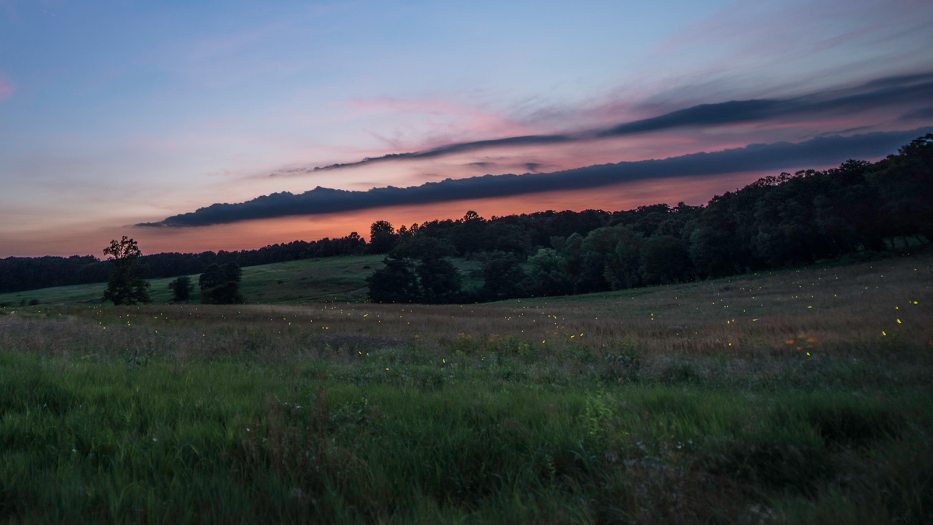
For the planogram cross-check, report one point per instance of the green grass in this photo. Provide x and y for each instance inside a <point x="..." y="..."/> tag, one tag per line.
<point x="386" y="439"/>
<point x="676" y="404"/>
<point x="308" y="280"/>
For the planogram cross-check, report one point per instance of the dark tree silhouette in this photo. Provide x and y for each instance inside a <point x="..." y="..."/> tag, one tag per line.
<point x="439" y="281"/>
<point x="504" y="277"/>
<point x="546" y="270"/>
<point x="396" y="282"/>
<point x="220" y="284"/>
<point x="416" y="271"/>
<point x="664" y="259"/>
<point x="382" y="237"/>
<point x="181" y="289"/>
<point x="126" y="284"/>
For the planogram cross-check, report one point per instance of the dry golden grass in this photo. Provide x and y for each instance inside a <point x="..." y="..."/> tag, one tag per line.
<point x="808" y="310"/>
<point x="749" y="325"/>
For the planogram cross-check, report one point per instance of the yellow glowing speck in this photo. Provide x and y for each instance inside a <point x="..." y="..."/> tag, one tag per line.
<point x="899" y="321"/>
<point x="883" y="333"/>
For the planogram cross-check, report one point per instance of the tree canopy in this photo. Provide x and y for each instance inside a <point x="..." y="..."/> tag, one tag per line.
<point x="220" y="284"/>
<point x="126" y="284"/>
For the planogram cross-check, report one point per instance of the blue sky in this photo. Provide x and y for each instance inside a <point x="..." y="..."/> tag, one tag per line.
<point x="114" y="113"/>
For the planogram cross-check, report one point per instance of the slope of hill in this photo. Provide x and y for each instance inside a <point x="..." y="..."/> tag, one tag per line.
<point x="307" y="280"/>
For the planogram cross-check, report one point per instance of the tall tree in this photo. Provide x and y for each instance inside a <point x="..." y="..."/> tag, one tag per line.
<point x="546" y="270"/>
<point x="439" y="280"/>
<point x="220" y="284"/>
<point x="664" y="259"/>
<point x="382" y="237"/>
<point x="396" y="282"/>
<point x="126" y="284"/>
<point x="181" y="289"/>
<point x="503" y="276"/>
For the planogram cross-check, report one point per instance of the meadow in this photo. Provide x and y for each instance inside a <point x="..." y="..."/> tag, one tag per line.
<point x="796" y="396"/>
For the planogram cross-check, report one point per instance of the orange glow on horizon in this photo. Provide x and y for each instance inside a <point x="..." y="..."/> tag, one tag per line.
<point x="256" y="233"/>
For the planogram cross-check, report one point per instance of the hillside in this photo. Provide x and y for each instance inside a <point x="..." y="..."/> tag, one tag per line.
<point x="307" y="280"/>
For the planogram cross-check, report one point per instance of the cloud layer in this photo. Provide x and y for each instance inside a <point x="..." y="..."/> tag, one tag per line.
<point x="756" y="157"/>
<point x="888" y="92"/>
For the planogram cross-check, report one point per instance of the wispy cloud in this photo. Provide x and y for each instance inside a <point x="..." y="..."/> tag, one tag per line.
<point x="889" y="92"/>
<point x="780" y="155"/>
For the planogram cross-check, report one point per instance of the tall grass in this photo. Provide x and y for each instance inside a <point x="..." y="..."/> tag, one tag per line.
<point x="347" y="413"/>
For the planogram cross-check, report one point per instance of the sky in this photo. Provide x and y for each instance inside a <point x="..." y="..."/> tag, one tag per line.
<point x="125" y="118"/>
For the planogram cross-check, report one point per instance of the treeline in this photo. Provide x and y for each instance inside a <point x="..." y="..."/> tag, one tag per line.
<point x="28" y="273"/>
<point x="780" y="221"/>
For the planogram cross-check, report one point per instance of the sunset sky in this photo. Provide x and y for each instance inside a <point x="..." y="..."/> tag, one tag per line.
<point x="114" y="114"/>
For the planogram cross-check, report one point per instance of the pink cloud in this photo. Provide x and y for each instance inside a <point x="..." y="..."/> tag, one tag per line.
<point x="436" y="121"/>
<point x="6" y="89"/>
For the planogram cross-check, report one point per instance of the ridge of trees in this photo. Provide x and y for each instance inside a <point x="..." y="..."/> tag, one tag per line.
<point x="777" y="221"/>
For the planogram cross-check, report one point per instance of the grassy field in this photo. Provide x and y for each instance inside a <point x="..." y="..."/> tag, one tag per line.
<point x="793" y="397"/>
<point x="308" y="280"/>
